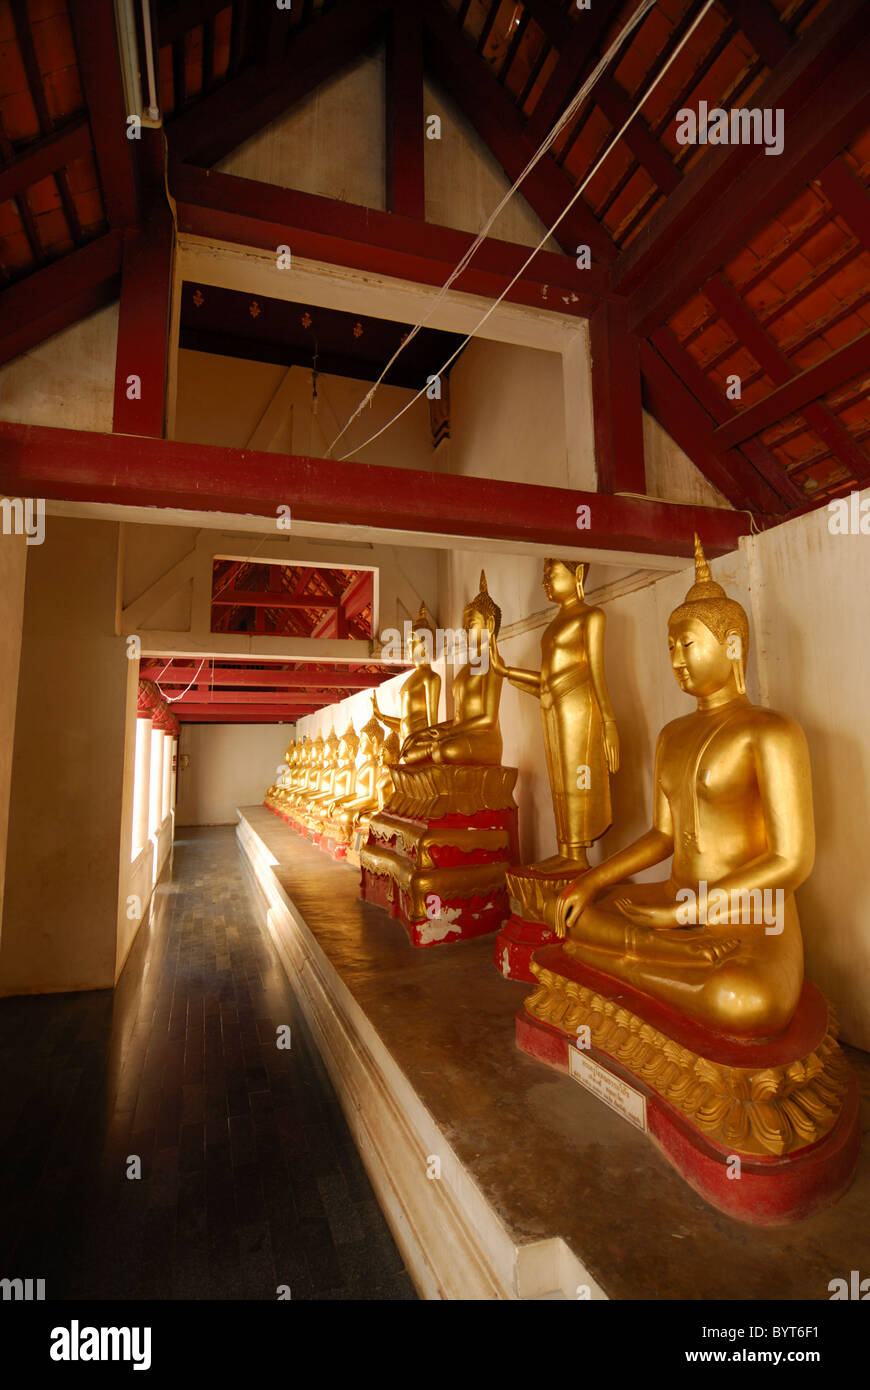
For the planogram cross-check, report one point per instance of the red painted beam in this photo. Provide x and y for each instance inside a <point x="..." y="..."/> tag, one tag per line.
<point x="721" y="409"/>
<point x="84" y="465"/>
<point x="262" y="92"/>
<point x="266" y="598"/>
<point x="616" y="402"/>
<point x="493" y="113"/>
<point x="142" y="356"/>
<point x="823" y="86"/>
<point x="579" y="45"/>
<point x="760" y="23"/>
<point x="777" y="366"/>
<point x="652" y="156"/>
<point x="311" y="678"/>
<point x="358" y="594"/>
<point x="233" y="714"/>
<point x="93" y="26"/>
<point x="689" y="425"/>
<point x="59" y="294"/>
<point x="199" y="695"/>
<point x="45" y="157"/>
<point x="848" y="197"/>
<point x="406" y="184"/>
<point x="249" y="213"/>
<point x="797" y="393"/>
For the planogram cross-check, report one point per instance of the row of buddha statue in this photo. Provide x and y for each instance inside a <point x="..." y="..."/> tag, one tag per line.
<point x="427" y="812"/>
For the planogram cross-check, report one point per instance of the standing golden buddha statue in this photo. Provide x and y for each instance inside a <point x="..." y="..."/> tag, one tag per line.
<point x="420" y="693"/>
<point x="581" y="744"/>
<point x="437" y="853"/>
<point x="694" y="986"/>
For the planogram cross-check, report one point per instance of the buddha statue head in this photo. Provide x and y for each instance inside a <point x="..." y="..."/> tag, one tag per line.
<point x="349" y="745"/>
<point x="708" y="636"/>
<point x="388" y="752"/>
<point x="482" y="612"/>
<point x="564" y="580"/>
<point x="422" y="638"/>
<point x="370" y="738"/>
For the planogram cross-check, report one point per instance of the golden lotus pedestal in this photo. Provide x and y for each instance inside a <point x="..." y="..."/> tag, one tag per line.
<point x="767" y="1130"/>
<point x="437" y="855"/>
<point x="532" y="896"/>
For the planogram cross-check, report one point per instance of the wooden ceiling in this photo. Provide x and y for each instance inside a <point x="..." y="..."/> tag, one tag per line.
<point x="721" y="262"/>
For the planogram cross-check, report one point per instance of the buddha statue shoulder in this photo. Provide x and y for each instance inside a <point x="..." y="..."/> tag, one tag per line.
<point x="719" y="939"/>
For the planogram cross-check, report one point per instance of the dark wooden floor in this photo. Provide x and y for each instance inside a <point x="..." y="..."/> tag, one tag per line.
<point x="250" y="1178"/>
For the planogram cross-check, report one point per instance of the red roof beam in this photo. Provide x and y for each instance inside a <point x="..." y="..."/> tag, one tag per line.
<point x="85" y="465"/>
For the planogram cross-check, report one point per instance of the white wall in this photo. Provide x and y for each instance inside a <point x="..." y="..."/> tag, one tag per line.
<point x="230" y="765"/>
<point x="68" y="381"/>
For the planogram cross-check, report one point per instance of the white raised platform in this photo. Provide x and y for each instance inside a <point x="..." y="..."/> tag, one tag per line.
<point x="544" y="1190"/>
<point x="454" y="1244"/>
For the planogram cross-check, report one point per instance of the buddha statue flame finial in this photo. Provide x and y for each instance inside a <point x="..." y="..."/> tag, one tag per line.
<point x="708" y="602"/>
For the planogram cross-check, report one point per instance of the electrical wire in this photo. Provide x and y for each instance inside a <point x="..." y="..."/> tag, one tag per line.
<point x="593" y="171"/>
<point x="563" y="120"/>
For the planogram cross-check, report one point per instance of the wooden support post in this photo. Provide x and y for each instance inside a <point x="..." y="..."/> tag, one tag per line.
<point x="616" y="402"/>
<point x="406" y="192"/>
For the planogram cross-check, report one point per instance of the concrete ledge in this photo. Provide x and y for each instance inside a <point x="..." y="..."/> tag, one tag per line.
<point x="453" y="1242"/>
<point x="544" y="1190"/>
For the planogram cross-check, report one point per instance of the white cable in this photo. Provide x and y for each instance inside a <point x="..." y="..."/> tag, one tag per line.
<point x="593" y="171"/>
<point x="173" y="699"/>
<point x="576" y="101"/>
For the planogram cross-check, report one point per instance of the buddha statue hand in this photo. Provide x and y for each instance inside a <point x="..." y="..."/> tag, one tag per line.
<point x="573" y="901"/>
<point x="611" y="745"/>
<point x="495" y="657"/>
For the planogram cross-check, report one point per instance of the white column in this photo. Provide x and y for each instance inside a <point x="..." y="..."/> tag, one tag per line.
<point x="174" y="773"/>
<point x="167" y="776"/>
<point x="141" y="784"/>
<point x="155" y="801"/>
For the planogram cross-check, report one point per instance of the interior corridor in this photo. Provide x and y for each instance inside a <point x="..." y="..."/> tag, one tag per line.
<point x="250" y="1179"/>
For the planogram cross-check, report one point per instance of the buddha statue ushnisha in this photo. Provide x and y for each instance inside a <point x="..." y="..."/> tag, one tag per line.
<point x="733" y="805"/>
<point x="473" y="734"/>
<point x="419" y="695"/>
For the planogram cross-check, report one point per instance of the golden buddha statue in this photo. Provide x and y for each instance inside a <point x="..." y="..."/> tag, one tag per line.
<point x="322" y="791"/>
<point x="473" y="734"/>
<point x="361" y="796"/>
<point x="274" y="795"/>
<point x="420" y="693"/>
<point x="448" y="832"/>
<point x="580" y="738"/>
<point x="354" y="816"/>
<point x="733" y="805"/>
<point x="307" y="784"/>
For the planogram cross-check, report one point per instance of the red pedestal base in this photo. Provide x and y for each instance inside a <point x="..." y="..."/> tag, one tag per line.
<point x="460" y="919"/>
<point x="516" y="943"/>
<point x="770" y="1189"/>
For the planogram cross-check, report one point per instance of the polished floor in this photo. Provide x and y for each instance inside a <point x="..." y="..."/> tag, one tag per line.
<point x="249" y="1177"/>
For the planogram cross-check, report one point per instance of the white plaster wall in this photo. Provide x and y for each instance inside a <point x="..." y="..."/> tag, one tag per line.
<point x="507" y="411"/>
<point x="670" y="473"/>
<point x="68" y="381"/>
<point x="332" y="143"/>
<point x="222" y="400"/>
<point x="60" y="911"/>
<point x="230" y="765"/>
<point x="465" y="183"/>
<point x="13" y="563"/>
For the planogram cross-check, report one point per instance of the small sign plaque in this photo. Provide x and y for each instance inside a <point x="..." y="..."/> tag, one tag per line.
<point x="629" y="1103"/>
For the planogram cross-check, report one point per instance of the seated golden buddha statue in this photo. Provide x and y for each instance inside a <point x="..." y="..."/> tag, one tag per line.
<point x="317" y="810"/>
<point x="322" y="792"/>
<point x="733" y="806"/>
<point x="274" y="794"/>
<point x="420" y="693"/>
<point x="361" y="796"/>
<point x="311" y="770"/>
<point x="473" y="734"/>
